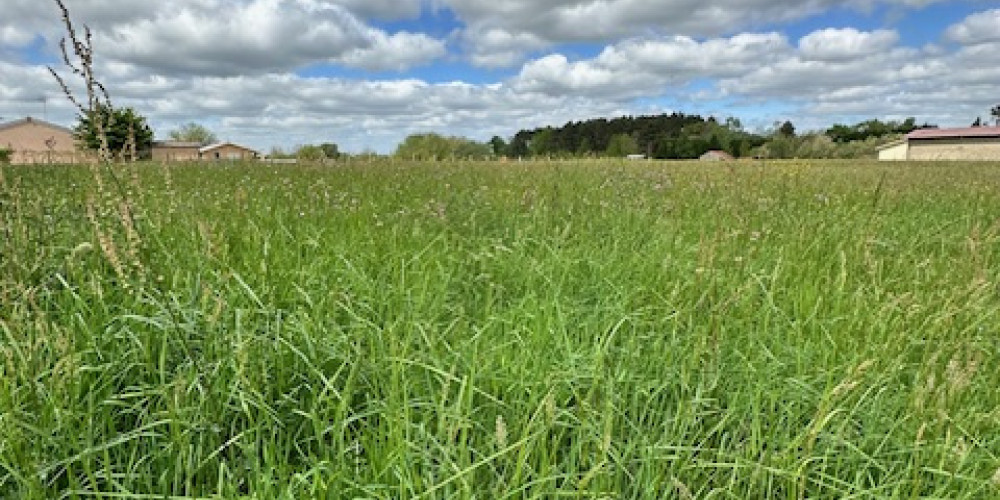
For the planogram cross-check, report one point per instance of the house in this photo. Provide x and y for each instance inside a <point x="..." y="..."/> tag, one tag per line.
<point x="716" y="156"/>
<point x="31" y="140"/>
<point x="227" y="151"/>
<point x="169" y="151"/>
<point x="960" y="144"/>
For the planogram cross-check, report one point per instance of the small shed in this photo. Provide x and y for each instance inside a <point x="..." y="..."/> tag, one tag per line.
<point x="717" y="155"/>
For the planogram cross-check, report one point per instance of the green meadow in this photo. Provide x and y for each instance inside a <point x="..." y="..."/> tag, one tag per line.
<point x="579" y="329"/>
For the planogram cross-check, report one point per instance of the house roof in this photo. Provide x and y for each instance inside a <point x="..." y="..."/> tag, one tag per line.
<point x="30" y="120"/>
<point x="212" y="147"/>
<point x="176" y="144"/>
<point x="892" y="144"/>
<point x="954" y="133"/>
<point x="717" y="154"/>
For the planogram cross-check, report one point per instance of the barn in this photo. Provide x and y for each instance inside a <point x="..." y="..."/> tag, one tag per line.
<point x="955" y="144"/>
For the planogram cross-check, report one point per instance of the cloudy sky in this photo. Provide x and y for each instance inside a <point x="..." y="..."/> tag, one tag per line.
<point x="366" y="73"/>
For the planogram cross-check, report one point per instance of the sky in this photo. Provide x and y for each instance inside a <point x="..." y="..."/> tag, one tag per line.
<point x="364" y="74"/>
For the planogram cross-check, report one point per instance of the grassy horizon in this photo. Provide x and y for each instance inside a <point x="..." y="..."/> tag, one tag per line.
<point x="595" y="329"/>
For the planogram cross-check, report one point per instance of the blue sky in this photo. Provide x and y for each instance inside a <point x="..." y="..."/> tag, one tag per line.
<point x="366" y="73"/>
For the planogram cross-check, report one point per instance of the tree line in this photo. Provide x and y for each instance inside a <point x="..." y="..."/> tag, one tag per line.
<point x="665" y="136"/>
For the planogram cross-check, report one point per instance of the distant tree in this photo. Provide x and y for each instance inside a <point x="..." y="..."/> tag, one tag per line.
<point x="278" y="153"/>
<point x="310" y="152"/>
<point x="543" y="142"/>
<point x="438" y="147"/>
<point x="622" y="145"/>
<point x="498" y="145"/>
<point x="978" y="122"/>
<point x="424" y="147"/>
<point x="5" y="155"/>
<point x="872" y="129"/>
<point x="787" y="129"/>
<point x="331" y="150"/>
<point x="193" y="132"/>
<point x="118" y="124"/>
<point x="467" y="148"/>
<point x="518" y="146"/>
<point x="995" y="113"/>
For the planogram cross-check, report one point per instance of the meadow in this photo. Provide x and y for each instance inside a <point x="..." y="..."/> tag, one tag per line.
<point x="587" y="329"/>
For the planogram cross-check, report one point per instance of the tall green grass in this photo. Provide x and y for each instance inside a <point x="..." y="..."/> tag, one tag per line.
<point x="519" y="330"/>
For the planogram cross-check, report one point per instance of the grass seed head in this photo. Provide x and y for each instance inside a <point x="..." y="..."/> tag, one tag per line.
<point x="501" y="432"/>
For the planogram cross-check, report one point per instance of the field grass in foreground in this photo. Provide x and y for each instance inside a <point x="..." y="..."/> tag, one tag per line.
<point x="582" y="330"/>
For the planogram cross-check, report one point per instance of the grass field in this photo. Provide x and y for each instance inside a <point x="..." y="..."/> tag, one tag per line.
<point x="519" y="330"/>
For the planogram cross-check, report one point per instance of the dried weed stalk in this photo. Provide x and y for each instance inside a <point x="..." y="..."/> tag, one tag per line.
<point x="106" y="211"/>
<point x="81" y="64"/>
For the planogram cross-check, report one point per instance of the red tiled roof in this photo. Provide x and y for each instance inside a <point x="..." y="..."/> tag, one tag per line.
<point x="953" y="133"/>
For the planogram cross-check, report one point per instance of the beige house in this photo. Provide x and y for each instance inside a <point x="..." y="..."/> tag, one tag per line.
<point x="35" y="141"/>
<point x="956" y="144"/>
<point x="169" y="151"/>
<point x="227" y="151"/>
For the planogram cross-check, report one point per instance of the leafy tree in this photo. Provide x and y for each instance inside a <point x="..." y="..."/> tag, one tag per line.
<point x="519" y="144"/>
<point x="786" y="129"/>
<point x="310" y="153"/>
<point x="622" y="145"/>
<point x="424" y="147"/>
<point x="118" y="124"/>
<point x="193" y="132"/>
<point x="5" y="155"/>
<point x="498" y="145"/>
<point x="437" y="147"/>
<point x="465" y="148"/>
<point x="543" y="142"/>
<point x="330" y="150"/>
<point x="872" y="129"/>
